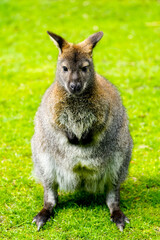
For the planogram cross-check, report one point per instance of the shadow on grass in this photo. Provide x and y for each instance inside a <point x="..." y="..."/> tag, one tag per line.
<point x="144" y="191"/>
<point x="81" y="199"/>
<point x="134" y="195"/>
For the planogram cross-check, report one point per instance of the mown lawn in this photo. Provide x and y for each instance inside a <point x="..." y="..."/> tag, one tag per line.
<point x="128" y="55"/>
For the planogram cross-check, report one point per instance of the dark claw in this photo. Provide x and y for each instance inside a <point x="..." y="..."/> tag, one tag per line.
<point x="41" y="218"/>
<point x="119" y="218"/>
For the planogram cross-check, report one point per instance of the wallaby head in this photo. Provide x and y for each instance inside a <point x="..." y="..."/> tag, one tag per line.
<point x="75" y="70"/>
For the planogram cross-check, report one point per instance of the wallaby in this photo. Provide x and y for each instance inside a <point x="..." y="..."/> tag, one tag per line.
<point x="81" y="139"/>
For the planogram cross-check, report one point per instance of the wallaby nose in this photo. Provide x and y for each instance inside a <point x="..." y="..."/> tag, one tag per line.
<point x="75" y="87"/>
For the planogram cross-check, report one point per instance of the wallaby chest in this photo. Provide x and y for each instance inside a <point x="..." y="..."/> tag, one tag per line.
<point x="77" y="119"/>
<point x="80" y="118"/>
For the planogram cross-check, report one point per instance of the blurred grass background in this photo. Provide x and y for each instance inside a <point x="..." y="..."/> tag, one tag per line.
<point x="129" y="56"/>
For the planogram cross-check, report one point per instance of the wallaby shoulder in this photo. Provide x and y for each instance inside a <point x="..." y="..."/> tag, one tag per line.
<point x="106" y="90"/>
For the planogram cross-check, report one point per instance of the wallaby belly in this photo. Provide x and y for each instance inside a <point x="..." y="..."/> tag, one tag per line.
<point x="76" y="167"/>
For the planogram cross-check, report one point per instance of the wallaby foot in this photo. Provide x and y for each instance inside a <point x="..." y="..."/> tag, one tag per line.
<point x="119" y="218"/>
<point x="41" y="218"/>
<point x="50" y="201"/>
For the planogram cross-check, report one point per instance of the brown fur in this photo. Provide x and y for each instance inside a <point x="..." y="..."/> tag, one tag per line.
<point x="57" y="100"/>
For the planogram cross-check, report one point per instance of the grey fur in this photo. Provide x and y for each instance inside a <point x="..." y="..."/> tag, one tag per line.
<point x="97" y="166"/>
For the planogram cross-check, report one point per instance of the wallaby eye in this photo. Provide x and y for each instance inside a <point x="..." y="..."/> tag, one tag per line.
<point x="84" y="69"/>
<point x="65" y="69"/>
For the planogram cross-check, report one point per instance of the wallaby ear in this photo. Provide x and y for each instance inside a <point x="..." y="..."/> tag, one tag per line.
<point x="95" y="38"/>
<point x="91" y="41"/>
<point x="58" y="41"/>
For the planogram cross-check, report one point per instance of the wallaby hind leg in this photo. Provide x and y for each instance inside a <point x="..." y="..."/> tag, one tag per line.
<point x="50" y="200"/>
<point x="113" y="202"/>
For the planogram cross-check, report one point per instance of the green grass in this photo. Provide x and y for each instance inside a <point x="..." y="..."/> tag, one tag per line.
<point x="129" y="56"/>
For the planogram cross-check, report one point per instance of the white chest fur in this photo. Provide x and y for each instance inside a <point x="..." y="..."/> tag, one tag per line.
<point x="77" y="122"/>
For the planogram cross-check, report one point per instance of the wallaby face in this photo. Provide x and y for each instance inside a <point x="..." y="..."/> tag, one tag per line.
<point x="75" y="73"/>
<point x="75" y="70"/>
<point x="81" y="140"/>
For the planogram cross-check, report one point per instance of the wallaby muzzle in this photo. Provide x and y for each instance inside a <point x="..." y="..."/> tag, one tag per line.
<point x="75" y="87"/>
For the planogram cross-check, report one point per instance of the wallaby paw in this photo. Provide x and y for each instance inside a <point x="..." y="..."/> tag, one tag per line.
<point x="120" y="219"/>
<point x="41" y="218"/>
